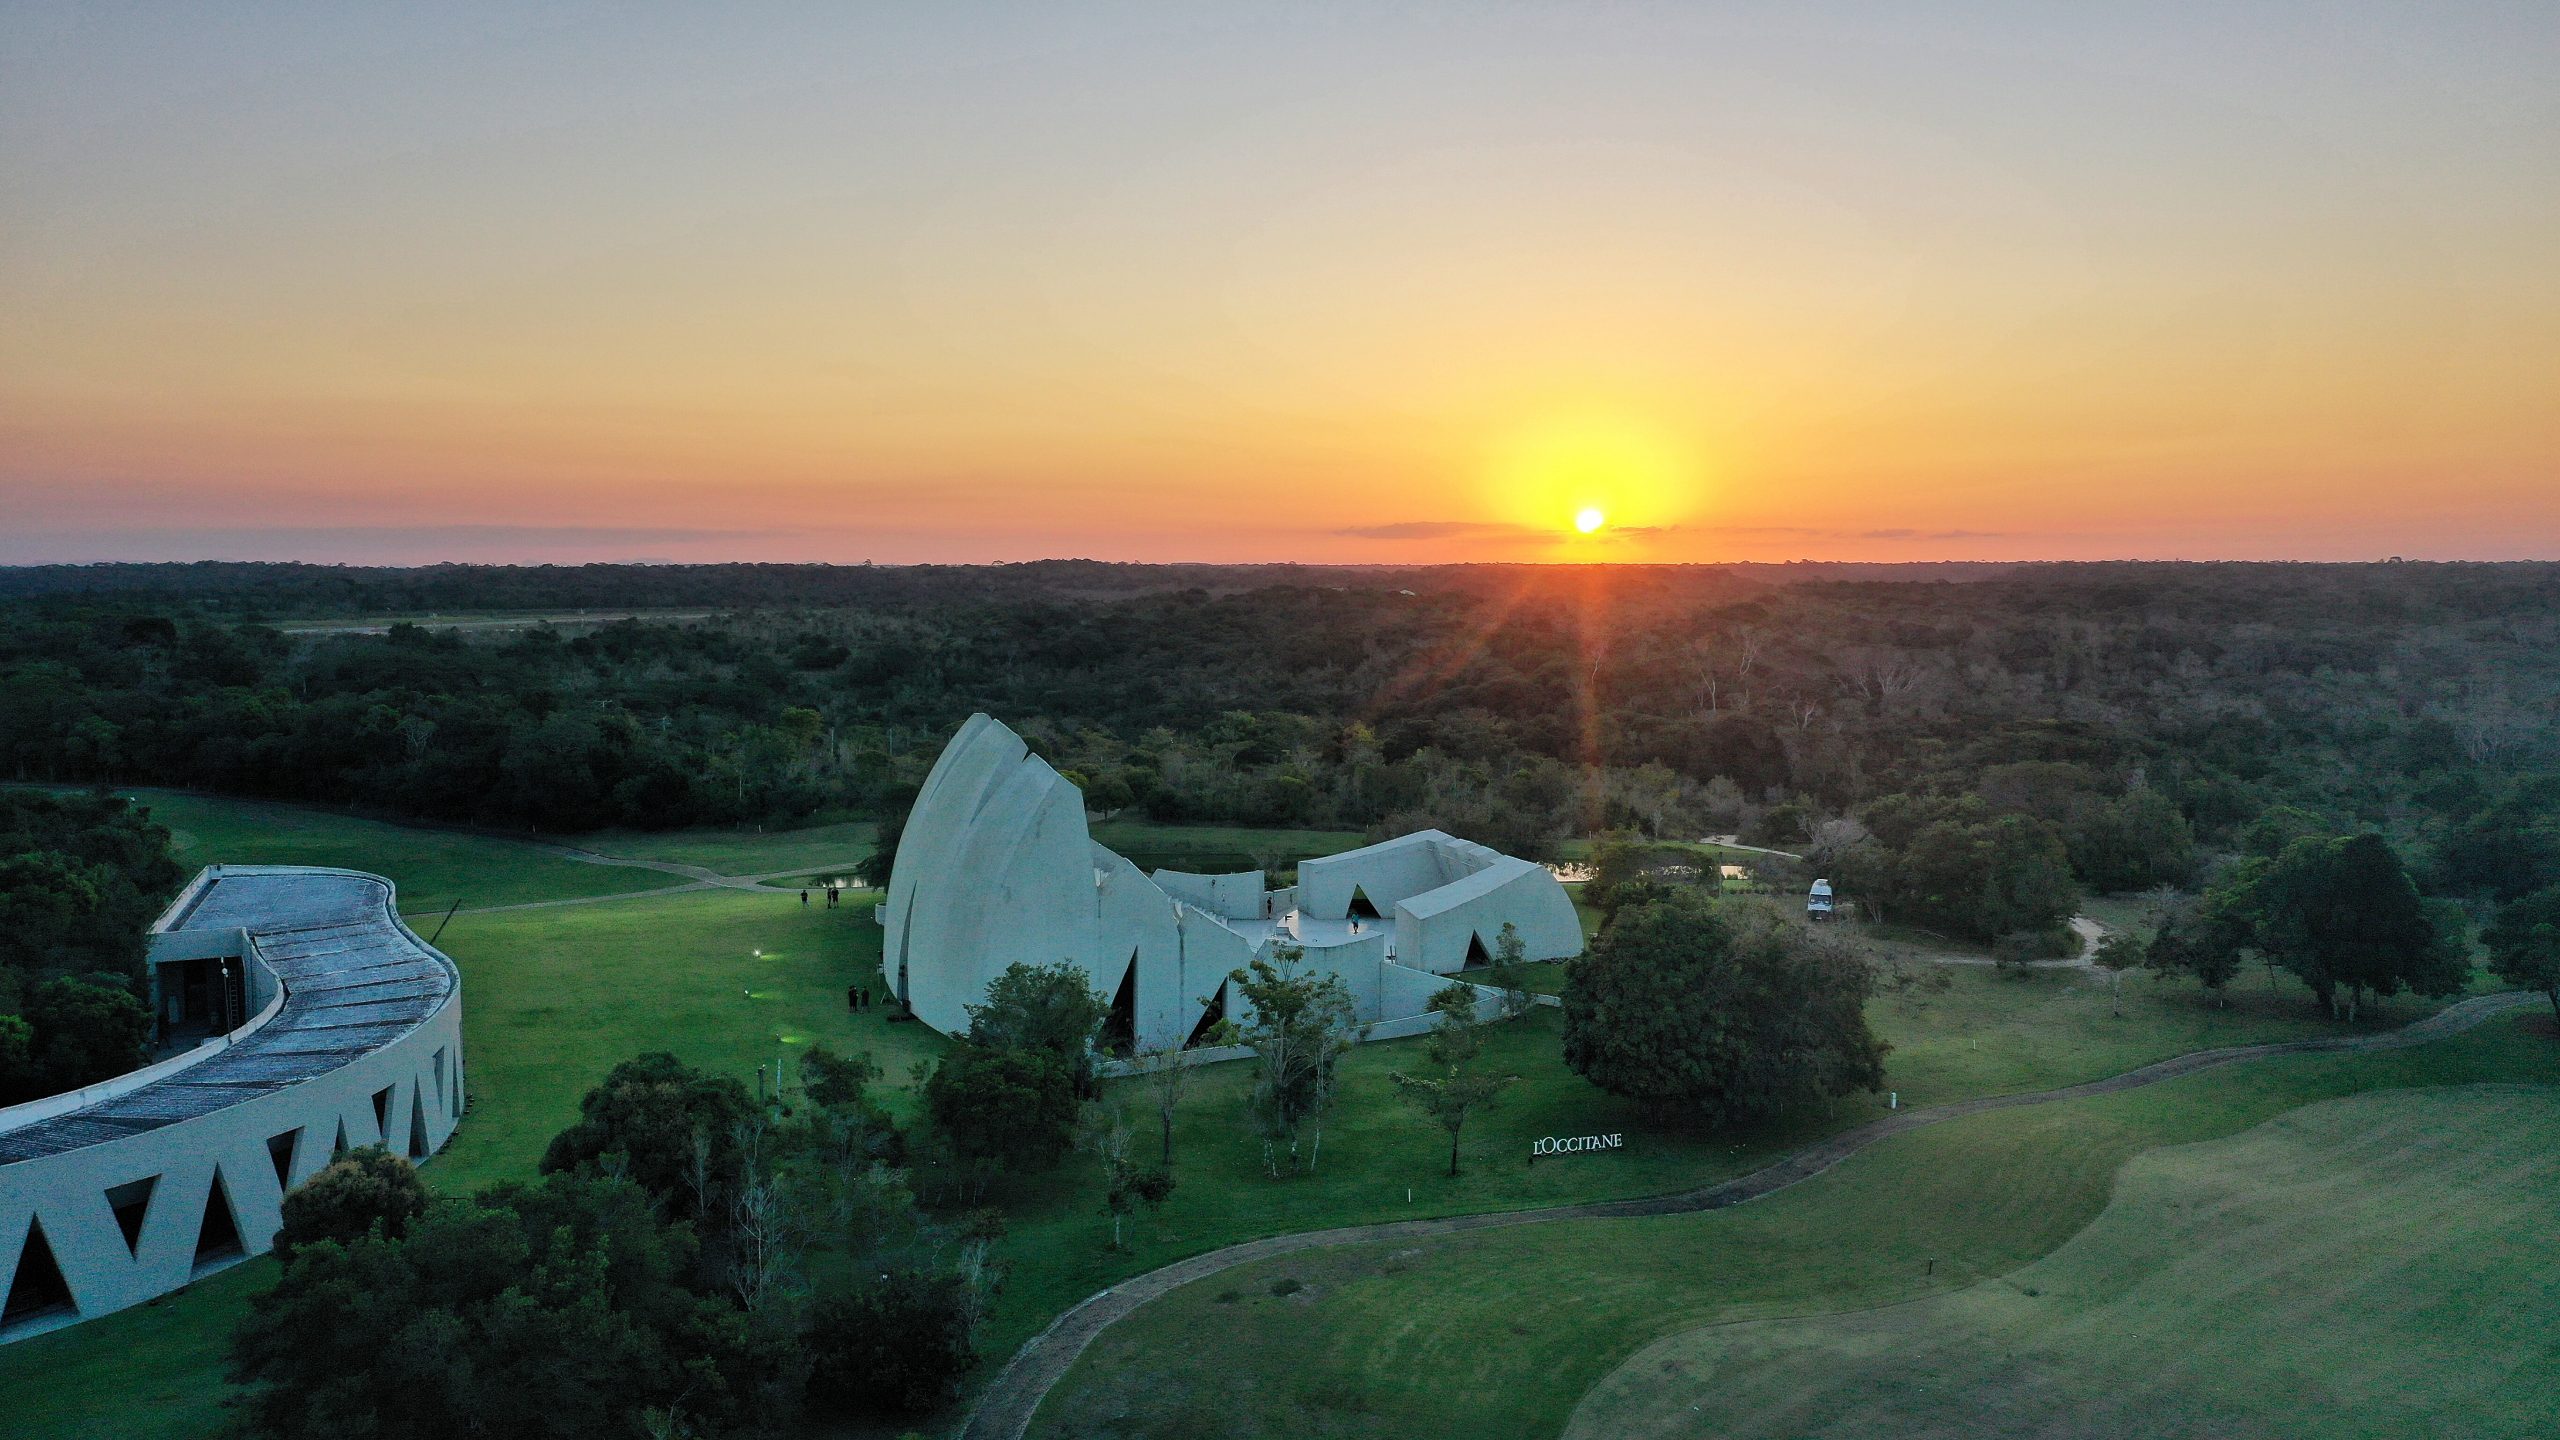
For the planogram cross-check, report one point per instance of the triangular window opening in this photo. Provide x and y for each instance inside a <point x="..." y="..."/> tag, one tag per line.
<point x="1120" y="1023"/>
<point x="382" y="1113"/>
<point x="38" y="1287"/>
<point x="280" y="1149"/>
<point x="339" y="1147"/>
<point x="1361" y="907"/>
<point x="132" y="1201"/>
<point x="1209" y="1018"/>
<point x="219" y="1237"/>
<point x="418" y="1126"/>
<point x="1477" y="956"/>
<point x="439" y="1069"/>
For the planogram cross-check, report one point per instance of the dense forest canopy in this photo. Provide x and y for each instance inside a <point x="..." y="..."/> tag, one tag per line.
<point x="2117" y="708"/>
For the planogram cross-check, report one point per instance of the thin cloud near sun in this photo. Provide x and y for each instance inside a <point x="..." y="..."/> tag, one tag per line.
<point x="1495" y="531"/>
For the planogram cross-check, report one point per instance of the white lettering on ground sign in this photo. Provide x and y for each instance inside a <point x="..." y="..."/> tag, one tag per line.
<point x="1575" y="1144"/>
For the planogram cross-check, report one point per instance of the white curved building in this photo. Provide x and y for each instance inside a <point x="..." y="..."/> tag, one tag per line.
<point x="996" y="867"/>
<point x="134" y="1186"/>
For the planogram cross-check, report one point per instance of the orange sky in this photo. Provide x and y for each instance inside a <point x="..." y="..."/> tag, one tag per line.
<point x="1162" y="283"/>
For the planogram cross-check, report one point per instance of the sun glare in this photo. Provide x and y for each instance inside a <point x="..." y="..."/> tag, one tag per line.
<point x="1582" y="476"/>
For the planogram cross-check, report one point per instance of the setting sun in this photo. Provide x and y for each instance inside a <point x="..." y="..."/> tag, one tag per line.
<point x="1587" y="521"/>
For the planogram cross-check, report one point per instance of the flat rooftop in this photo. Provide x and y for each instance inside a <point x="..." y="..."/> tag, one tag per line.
<point x="354" y="980"/>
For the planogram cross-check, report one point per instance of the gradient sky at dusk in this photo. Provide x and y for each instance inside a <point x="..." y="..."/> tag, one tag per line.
<point x="1211" y="282"/>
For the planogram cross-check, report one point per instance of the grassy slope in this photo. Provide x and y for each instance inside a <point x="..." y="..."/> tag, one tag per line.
<point x="2347" y="1269"/>
<point x="433" y="868"/>
<point x="1499" y="1333"/>
<point x="553" y="998"/>
<point x="743" y="852"/>
<point x="1988" y="1034"/>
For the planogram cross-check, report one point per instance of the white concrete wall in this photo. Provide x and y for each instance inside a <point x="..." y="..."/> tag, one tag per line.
<point x="1238" y="896"/>
<point x="1434" y="929"/>
<point x="1387" y="872"/>
<point x="66" y="1192"/>
<point x="1136" y="924"/>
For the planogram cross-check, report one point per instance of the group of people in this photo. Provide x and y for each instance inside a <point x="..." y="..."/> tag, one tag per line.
<point x="833" y="892"/>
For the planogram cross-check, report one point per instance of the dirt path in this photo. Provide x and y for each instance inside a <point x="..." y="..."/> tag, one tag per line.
<point x="697" y="877"/>
<point x="1004" y="1411"/>
<point x="2091" y="934"/>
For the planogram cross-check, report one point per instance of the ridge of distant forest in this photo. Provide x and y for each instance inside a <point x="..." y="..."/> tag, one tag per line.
<point x="1518" y="704"/>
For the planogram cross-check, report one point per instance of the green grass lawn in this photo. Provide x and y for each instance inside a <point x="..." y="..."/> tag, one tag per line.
<point x="1500" y="1333"/>
<point x="1987" y="1034"/>
<point x="553" y="998"/>
<point x="742" y="852"/>
<point x="433" y="868"/>
<point x="2351" y="1268"/>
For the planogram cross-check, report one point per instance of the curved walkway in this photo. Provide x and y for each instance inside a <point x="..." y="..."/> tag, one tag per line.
<point x="1004" y="1411"/>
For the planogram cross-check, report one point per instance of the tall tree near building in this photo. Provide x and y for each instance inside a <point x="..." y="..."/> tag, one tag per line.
<point x="1301" y="1027"/>
<point x="1452" y="1089"/>
<point x="2524" y="944"/>
<point x="1703" y="1015"/>
<point x="1051" y="1009"/>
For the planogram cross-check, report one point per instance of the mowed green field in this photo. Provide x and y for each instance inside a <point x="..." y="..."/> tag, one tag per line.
<point x="725" y="979"/>
<point x="1987" y="1034"/>
<point x="2369" y="1266"/>
<point x="433" y="868"/>
<point x="743" y="852"/>
<point x="1501" y="1333"/>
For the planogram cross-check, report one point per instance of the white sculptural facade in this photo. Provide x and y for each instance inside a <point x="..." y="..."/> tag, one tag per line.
<point x="996" y="867"/>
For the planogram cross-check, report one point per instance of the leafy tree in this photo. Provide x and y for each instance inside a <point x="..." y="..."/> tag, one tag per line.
<point x="550" y="1312"/>
<point x="1953" y="865"/>
<point x="17" y="1058"/>
<point x="1691" y="1011"/>
<point x="2014" y="952"/>
<point x="85" y="1029"/>
<point x="833" y="1080"/>
<point x="673" y="1129"/>
<point x="875" y="868"/>
<point x="2343" y="915"/>
<point x="891" y="1345"/>
<point x="2115" y="955"/>
<point x="2134" y="842"/>
<point x="1448" y="1097"/>
<point x="1166" y="1077"/>
<point x="1127" y="1185"/>
<point x="367" y="1191"/>
<point x="2524" y="944"/>
<point x="1300" y="1028"/>
<point x="1510" y="972"/>
<point x="1050" y="1009"/>
<point x="1001" y="1108"/>
<point x="1616" y="859"/>
<point x="2205" y="942"/>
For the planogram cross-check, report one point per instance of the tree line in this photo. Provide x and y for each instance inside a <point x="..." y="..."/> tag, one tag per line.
<point x="81" y="877"/>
